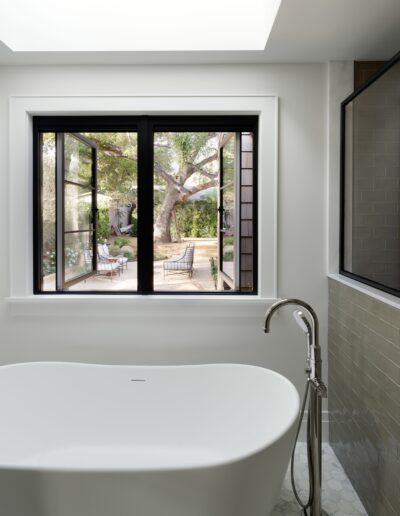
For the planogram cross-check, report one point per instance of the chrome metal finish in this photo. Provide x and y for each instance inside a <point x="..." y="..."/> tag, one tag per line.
<point x="302" y="321"/>
<point x="317" y="389"/>
<point x="305" y="325"/>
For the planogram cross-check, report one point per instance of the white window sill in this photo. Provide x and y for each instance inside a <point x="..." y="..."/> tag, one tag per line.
<point x="138" y="307"/>
<point x="375" y="293"/>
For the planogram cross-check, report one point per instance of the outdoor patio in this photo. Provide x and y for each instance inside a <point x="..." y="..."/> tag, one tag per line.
<point x="201" y="279"/>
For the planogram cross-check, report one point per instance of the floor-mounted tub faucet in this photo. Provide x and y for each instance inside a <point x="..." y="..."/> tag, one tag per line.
<point x="318" y="390"/>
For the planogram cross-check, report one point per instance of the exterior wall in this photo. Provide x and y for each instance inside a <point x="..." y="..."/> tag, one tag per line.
<point x="364" y="394"/>
<point x="201" y="338"/>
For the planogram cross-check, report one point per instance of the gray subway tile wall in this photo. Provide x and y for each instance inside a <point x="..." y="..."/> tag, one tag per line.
<point x="372" y="180"/>
<point x="364" y="395"/>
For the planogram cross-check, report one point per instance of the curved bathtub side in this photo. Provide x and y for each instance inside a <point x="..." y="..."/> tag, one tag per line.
<point x="248" y="487"/>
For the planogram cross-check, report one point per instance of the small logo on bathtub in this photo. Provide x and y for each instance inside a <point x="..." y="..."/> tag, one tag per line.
<point x="138" y="380"/>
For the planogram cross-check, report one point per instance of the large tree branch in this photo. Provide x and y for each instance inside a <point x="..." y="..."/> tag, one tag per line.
<point x="114" y="151"/>
<point x="210" y="175"/>
<point x="205" y="161"/>
<point x="200" y="188"/>
<point x="198" y="167"/>
<point x="164" y="174"/>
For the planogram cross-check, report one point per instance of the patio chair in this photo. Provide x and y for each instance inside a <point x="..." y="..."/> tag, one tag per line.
<point x="181" y="263"/>
<point x="103" y="266"/>
<point x="103" y="252"/>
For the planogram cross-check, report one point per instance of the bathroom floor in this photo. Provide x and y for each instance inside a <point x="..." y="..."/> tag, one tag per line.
<point x="338" y="495"/>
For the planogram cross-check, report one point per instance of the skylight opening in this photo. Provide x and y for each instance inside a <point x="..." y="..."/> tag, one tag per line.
<point x="127" y="25"/>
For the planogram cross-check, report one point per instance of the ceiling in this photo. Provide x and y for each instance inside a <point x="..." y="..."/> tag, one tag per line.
<point x="304" y="31"/>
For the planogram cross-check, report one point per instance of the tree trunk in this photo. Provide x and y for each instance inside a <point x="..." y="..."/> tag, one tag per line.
<point x="162" y="228"/>
<point x="176" y="224"/>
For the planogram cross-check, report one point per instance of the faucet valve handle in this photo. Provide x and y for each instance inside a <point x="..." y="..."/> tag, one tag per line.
<point x="320" y="387"/>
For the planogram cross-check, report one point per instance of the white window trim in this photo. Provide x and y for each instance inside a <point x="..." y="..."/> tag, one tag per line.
<point x="22" y="108"/>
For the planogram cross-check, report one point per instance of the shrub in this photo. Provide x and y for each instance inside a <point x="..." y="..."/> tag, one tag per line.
<point x="114" y="250"/>
<point x="133" y="230"/>
<point x="131" y="257"/>
<point x="228" y="240"/>
<point x="214" y="269"/>
<point x="103" y="225"/>
<point x="159" y="256"/>
<point x="228" y="256"/>
<point x="198" y="218"/>
<point x="121" y="241"/>
<point x="49" y="262"/>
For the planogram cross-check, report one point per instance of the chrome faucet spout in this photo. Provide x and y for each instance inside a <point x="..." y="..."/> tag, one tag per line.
<point x="297" y="302"/>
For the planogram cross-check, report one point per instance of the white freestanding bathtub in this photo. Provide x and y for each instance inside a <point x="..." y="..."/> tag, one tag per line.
<point x="92" y="440"/>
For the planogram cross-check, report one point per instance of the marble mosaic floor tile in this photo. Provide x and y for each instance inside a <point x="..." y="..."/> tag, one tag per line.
<point x="338" y="495"/>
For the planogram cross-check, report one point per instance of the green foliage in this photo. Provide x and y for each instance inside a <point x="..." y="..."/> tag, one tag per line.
<point x="116" y="165"/>
<point x="72" y="258"/>
<point x="103" y="225"/>
<point x="114" y="250"/>
<point x="188" y="145"/>
<point x="49" y="262"/>
<point x="228" y="240"/>
<point x="159" y="256"/>
<point x="121" y="241"/>
<point x="198" y="218"/>
<point x="214" y="269"/>
<point x="131" y="257"/>
<point x="180" y="149"/>
<point x="228" y="256"/>
<point x="133" y="230"/>
<point x="196" y="227"/>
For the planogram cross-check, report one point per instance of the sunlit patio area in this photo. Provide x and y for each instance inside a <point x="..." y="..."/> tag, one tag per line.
<point x="201" y="280"/>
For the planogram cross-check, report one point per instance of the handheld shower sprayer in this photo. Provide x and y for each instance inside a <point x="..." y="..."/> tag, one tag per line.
<point x="305" y="325"/>
<point x="302" y="321"/>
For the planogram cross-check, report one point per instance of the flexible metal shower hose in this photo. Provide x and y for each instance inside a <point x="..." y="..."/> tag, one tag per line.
<point x="304" y="505"/>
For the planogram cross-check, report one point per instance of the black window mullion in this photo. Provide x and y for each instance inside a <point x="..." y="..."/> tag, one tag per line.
<point x="145" y="207"/>
<point x="60" y="211"/>
<point x="94" y="214"/>
<point x="37" y="212"/>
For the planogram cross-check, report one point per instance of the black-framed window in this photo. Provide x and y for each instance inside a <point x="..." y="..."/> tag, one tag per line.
<point x="73" y="211"/>
<point x="370" y="181"/>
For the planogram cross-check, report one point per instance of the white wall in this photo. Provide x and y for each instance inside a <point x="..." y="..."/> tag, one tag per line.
<point x="302" y="255"/>
<point x="340" y="85"/>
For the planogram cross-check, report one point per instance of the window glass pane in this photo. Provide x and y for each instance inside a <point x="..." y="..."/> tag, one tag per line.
<point x="48" y="208"/>
<point x="229" y="160"/>
<point x="229" y="240"/>
<point x="78" y="207"/>
<point x="203" y="238"/>
<point x="117" y="202"/>
<point x="77" y="261"/>
<point x="371" y="182"/>
<point x="186" y="170"/>
<point x="228" y="202"/>
<point x="77" y="160"/>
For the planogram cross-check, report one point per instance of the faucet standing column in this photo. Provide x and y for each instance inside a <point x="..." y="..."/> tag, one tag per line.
<point x="317" y="391"/>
